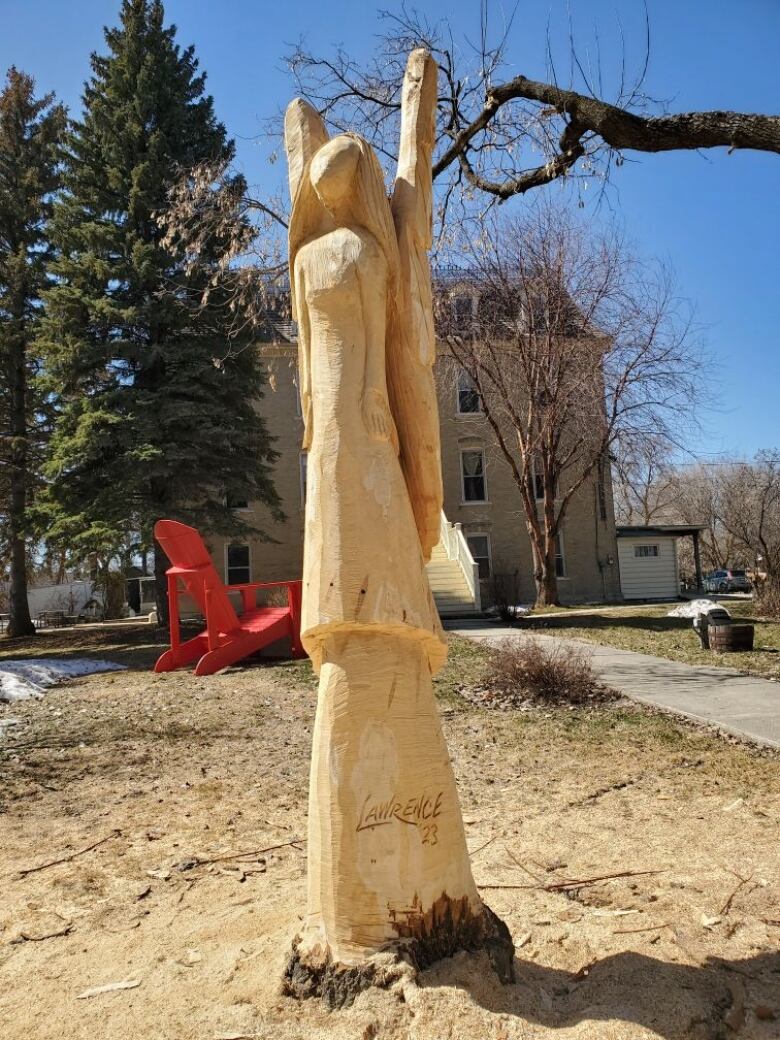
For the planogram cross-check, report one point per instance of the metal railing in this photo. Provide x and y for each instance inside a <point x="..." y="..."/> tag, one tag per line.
<point x="457" y="548"/>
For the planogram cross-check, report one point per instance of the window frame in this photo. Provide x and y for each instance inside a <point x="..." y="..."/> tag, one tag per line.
<point x="473" y="501"/>
<point x="560" y="554"/>
<point x="238" y="545"/>
<point x="459" y="317"/>
<point x="479" y="410"/>
<point x="538" y="482"/>
<point x="237" y="509"/>
<point x="647" y="555"/>
<point x="488" y="556"/>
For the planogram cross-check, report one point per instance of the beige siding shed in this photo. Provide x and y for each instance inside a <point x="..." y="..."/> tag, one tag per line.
<point x="648" y="566"/>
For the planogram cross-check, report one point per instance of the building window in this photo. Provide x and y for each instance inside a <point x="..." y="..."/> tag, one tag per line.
<point x="298" y="409"/>
<point x="236" y="501"/>
<point x="463" y="310"/>
<point x="472" y="464"/>
<point x="560" y="558"/>
<point x="538" y="483"/>
<point x="479" y="546"/>
<point x="645" y="550"/>
<point x="238" y="568"/>
<point x="469" y="401"/>
<point x="304" y="464"/>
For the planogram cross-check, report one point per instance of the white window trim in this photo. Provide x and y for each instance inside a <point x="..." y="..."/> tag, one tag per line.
<point x="466" y="415"/>
<point x="485" y="535"/>
<point x="537" y="498"/>
<point x="562" y="545"/>
<point x="239" y="509"/>
<point x="647" y="555"/>
<point x="473" y="501"/>
<point x="227" y="569"/>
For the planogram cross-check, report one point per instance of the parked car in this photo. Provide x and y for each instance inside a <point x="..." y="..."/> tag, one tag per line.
<point x="727" y="580"/>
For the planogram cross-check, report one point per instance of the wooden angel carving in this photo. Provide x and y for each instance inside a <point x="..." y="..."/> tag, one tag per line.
<point x="388" y="869"/>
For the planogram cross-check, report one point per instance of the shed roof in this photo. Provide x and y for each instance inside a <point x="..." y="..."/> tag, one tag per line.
<point x="673" y="530"/>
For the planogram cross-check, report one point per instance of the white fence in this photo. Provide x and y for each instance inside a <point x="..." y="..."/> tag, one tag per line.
<point x="69" y="597"/>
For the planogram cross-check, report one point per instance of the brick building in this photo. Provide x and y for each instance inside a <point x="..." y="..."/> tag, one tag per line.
<point x="479" y="495"/>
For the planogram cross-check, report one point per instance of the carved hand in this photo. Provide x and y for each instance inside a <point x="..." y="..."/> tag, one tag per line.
<point x="377" y="418"/>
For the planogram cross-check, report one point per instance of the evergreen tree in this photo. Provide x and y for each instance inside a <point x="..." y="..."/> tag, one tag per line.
<point x="157" y="412"/>
<point x="30" y="129"/>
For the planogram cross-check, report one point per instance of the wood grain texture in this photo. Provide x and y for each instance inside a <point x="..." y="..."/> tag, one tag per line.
<point x="388" y="868"/>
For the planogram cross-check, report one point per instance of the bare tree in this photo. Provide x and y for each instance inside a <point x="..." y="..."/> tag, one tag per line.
<point x="574" y="346"/>
<point x="212" y="211"/>
<point x="501" y="133"/>
<point x="645" y="484"/>
<point x="747" y="495"/>
<point x="695" y="501"/>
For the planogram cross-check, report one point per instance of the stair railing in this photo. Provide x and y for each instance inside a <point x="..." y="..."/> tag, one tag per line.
<point x="457" y="548"/>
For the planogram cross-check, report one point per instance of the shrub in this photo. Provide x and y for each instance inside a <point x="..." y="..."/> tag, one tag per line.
<point x="766" y="599"/>
<point x="521" y="670"/>
<point x="505" y="591"/>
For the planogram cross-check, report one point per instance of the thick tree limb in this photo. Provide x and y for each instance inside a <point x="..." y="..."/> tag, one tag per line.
<point x="617" y="127"/>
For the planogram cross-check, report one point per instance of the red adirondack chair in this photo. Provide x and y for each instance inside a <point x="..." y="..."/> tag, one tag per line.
<point x="228" y="637"/>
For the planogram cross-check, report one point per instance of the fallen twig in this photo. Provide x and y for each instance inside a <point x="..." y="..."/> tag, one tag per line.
<point x="24" y="937"/>
<point x="251" y="854"/>
<point x="488" y="842"/>
<point x="66" y="859"/>
<point x="498" y="887"/>
<point x="636" y="931"/>
<point x="562" y="886"/>
<point x="727" y="905"/>
<point x="525" y="869"/>
<point x="558" y="885"/>
<point x="110" y="987"/>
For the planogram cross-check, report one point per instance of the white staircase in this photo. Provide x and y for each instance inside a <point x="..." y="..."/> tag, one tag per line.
<point x="453" y="574"/>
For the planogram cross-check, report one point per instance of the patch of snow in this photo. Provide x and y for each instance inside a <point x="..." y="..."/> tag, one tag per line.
<point x="31" y="676"/>
<point x="695" y="608"/>
<point x="519" y="610"/>
<point x="5" y="724"/>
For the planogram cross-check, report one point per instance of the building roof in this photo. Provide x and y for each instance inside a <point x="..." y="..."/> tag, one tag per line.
<point x="674" y="530"/>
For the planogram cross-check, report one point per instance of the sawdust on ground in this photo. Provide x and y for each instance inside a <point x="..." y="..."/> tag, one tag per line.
<point x="179" y="775"/>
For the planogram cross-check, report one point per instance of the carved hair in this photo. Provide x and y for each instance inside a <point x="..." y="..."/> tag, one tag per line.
<point x="370" y="210"/>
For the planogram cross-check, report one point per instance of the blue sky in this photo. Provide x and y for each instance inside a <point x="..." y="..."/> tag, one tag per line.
<point x="715" y="217"/>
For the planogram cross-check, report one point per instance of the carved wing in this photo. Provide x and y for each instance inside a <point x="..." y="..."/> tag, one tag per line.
<point x="304" y="133"/>
<point x="412" y="345"/>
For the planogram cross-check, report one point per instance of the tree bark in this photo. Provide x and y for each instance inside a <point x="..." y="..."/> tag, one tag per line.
<point x="545" y="577"/>
<point x="546" y="584"/>
<point x="389" y="875"/>
<point x="20" y="623"/>
<point x="161" y="565"/>
<point x="617" y="127"/>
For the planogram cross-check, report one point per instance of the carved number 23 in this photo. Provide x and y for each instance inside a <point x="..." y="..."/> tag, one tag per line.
<point x="430" y="834"/>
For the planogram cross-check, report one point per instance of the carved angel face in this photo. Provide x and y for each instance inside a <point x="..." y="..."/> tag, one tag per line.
<point x="333" y="171"/>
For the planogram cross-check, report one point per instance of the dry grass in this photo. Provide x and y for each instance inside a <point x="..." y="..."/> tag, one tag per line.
<point x="191" y="770"/>
<point x="647" y="630"/>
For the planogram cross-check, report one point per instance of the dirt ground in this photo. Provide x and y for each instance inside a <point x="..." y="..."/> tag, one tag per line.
<point x="175" y="777"/>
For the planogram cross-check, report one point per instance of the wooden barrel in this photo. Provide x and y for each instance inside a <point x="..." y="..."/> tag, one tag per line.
<point x="724" y="638"/>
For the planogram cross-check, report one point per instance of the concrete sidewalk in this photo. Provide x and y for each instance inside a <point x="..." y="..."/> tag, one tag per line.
<point x="741" y="704"/>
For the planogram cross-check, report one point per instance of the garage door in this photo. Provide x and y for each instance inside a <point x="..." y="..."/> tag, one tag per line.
<point x="648" y="567"/>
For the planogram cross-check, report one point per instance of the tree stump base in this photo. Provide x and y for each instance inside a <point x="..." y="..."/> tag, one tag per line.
<point x="424" y="939"/>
